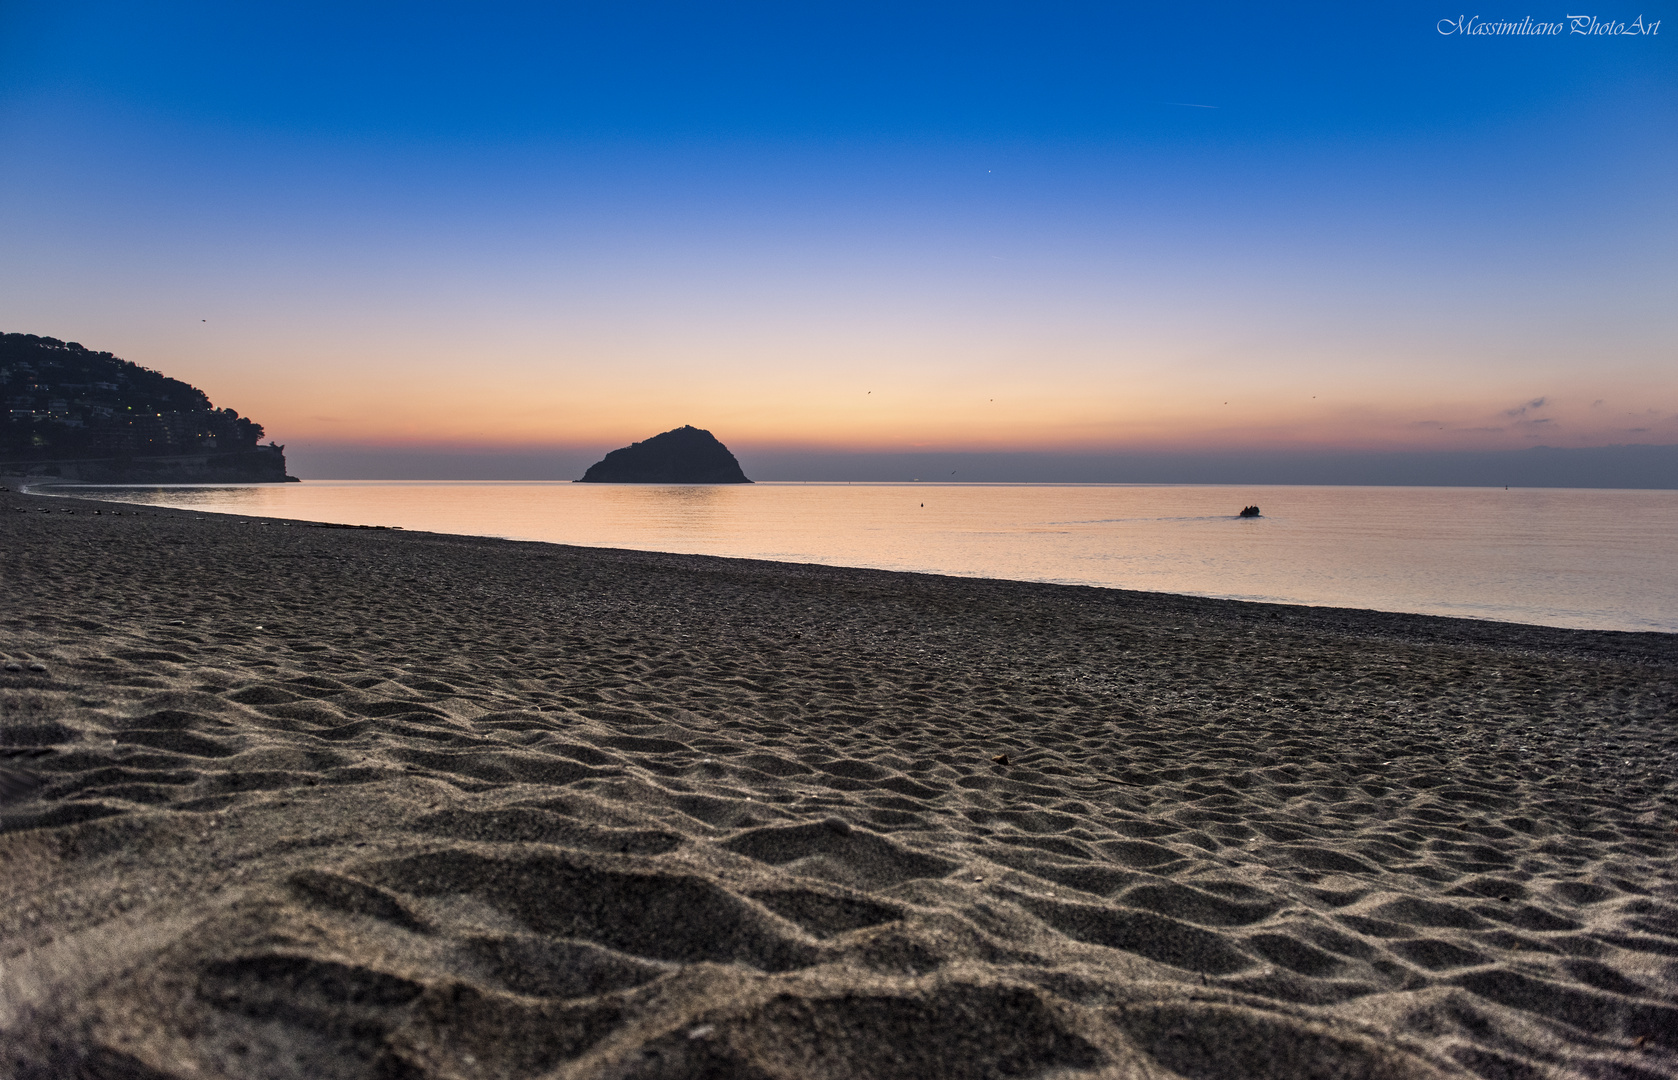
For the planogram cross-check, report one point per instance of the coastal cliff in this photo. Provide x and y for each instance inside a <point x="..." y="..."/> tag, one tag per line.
<point x="75" y="414"/>
<point x="687" y="455"/>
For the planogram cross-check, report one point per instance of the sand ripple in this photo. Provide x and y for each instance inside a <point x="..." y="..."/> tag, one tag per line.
<point x="295" y="802"/>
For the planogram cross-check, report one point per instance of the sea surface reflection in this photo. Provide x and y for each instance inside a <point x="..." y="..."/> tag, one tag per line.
<point x="1583" y="558"/>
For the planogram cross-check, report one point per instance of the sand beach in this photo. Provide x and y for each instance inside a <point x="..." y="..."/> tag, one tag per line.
<point x="288" y="800"/>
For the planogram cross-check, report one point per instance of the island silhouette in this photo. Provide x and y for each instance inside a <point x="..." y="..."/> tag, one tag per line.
<point x="687" y="455"/>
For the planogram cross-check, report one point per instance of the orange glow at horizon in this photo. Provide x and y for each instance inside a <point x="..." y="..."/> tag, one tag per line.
<point x="966" y="378"/>
<point x="867" y="414"/>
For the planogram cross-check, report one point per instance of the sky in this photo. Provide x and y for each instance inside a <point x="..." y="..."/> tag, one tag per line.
<point x="483" y="231"/>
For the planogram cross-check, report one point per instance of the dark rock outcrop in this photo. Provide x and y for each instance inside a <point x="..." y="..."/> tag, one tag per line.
<point x="688" y="455"/>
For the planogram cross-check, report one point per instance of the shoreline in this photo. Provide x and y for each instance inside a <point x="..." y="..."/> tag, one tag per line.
<point x="348" y="801"/>
<point x="1279" y="605"/>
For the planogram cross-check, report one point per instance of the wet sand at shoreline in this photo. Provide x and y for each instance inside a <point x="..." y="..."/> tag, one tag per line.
<point x="294" y="801"/>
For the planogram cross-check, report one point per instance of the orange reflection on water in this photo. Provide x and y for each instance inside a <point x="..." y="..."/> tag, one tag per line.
<point x="1584" y="558"/>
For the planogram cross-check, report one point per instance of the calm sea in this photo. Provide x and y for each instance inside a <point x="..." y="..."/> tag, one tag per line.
<point x="1581" y="558"/>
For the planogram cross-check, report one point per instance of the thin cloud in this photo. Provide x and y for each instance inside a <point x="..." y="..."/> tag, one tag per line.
<point x="1521" y="410"/>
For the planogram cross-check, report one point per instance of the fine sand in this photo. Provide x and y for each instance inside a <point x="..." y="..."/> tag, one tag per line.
<point x="292" y="801"/>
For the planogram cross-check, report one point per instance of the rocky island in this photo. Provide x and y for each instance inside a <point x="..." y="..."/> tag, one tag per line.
<point x="75" y="414"/>
<point x="687" y="455"/>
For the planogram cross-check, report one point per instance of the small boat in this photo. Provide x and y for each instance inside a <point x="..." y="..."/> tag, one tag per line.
<point x="1249" y="511"/>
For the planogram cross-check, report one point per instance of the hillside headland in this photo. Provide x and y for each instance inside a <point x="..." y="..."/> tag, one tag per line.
<point x="75" y="414"/>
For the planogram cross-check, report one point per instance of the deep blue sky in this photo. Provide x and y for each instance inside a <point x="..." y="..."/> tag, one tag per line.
<point x="888" y="228"/>
<point x="468" y="74"/>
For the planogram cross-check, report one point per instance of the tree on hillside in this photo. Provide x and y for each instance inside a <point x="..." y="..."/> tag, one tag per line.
<point x="63" y="400"/>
